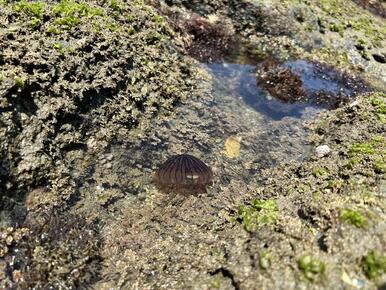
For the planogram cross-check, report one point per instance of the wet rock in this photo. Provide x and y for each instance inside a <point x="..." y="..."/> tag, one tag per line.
<point x="104" y="88"/>
<point x="55" y="245"/>
<point x="90" y="83"/>
<point x="212" y="39"/>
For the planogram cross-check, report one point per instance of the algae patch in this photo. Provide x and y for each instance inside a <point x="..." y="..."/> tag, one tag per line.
<point x="376" y="145"/>
<point x="312" y="268"/>
<point x="34" y="10"/>
<point x="353" y="217"/>
<point x="69" y="13"/>
<point x="374" y="264"/>
<point x="265" y="260"/>
<point x="259" y="213"/>
<point x="380" y="108"/>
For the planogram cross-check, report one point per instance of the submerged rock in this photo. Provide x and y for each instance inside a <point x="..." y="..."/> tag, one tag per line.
<point x="281" y="82"/>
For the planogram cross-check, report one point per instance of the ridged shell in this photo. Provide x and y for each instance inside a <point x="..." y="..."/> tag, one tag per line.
<point x="183" y="171"/>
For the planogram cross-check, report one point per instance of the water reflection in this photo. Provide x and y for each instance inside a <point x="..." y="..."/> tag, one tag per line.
<point x="240" y="80"/>
<point x="323" y="88"/>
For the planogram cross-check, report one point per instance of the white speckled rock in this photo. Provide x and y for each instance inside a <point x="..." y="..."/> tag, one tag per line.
<point x="322" y="151"/>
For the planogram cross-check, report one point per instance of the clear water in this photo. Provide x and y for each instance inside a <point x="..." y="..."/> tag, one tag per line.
<point x="241" y="80"/>
<point x="270" y="132"/>
<point x="119" y="188"/>
<point x="316" y="80"/>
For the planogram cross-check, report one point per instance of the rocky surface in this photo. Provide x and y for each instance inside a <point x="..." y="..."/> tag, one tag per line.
<point x="95" y="95"/>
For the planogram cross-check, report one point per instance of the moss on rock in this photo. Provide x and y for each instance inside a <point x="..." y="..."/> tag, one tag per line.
<point x="77" y="76"/>
<point x="260" y="213"/>
<point x="353" y="217"/>
<point x="311" y="267"/>
<point x="374" y="264"/>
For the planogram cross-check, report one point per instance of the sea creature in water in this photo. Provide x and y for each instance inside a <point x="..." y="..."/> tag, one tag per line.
<point x="184" y="173"/>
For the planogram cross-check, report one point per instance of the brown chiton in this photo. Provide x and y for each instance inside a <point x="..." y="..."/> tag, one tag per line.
<point x="184" y="173"/>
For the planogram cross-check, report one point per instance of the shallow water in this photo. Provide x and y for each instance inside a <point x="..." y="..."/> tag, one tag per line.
<point x="138" y="221"/>
<point x="119" y="188"/>
<point x="268" y="130"/>
<point x="240" y="80"/>
<point x="315" y="80"/>
<point x="231" y="105"/>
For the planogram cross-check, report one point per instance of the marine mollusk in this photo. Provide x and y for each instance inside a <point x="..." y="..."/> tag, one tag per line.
<point x="184" y="172"/>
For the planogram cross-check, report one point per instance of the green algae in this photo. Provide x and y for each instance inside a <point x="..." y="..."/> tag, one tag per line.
<point x="374" y="146"/>
<point x="53" y="30"/>
<point x="340" y="24"/>
<point x="154" y="37"/>
<point x="332" y="7"/>
<point x="380" y="108"/>
<point x="335" y="184"/>
<point x="312" y="268"/>
<point x="353" y="217"/>
<point x="130" y="18"/>
<point x="337" y="28"/>
<point x="19" y="82"/>
<point x="341" y="57"/>
<point x="380" y="165"/>
<point x="69" y="13"/>
<point x="59" y="47"/>
<point x="366" y="25"/>
<point x="73" y="8"/>
<point x="353" y="161"/>
<point x="343" y="11"/>
<point x="373" y="151"/>
<point x="341" y="16"/>
<point x="34" y="10"/>
<point x="374" y="264"/>
<point x="260" y="213"/>
<point x="68" y="21"/>
<point x="215" y="283"/>
<point x="116" y="5"/>
<point x="157" y="19"/>
<point x="320" y="171"/>
<point x="265" y="260"/>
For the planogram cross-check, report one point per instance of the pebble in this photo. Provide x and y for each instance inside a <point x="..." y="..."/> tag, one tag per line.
<point x="322" y="151"/>
<point x="354" y="104"/>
